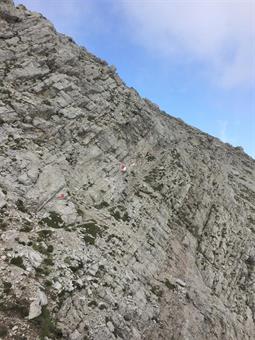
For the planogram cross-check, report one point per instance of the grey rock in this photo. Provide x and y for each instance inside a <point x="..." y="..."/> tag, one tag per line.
<point x="110" y="326"/>
<point x="33" y="257"/>
<point x="164" y="250"/>
<point x="57" y="285"/>
<point x="2" y="199"/>
<point x="180" y="282"/>
<point x="76" y="336"/>
<point x="35" y="308"/>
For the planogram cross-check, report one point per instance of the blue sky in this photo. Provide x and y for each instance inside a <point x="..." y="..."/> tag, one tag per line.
<point x="194" y="58"/>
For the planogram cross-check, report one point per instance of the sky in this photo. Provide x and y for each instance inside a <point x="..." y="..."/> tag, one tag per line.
<point x="194" y="58"/>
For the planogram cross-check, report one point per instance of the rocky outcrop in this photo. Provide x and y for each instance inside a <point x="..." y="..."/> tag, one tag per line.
<point x="163" y="250"/>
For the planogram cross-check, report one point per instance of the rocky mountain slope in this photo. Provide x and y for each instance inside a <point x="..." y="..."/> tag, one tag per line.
<point x="163" y="250"/>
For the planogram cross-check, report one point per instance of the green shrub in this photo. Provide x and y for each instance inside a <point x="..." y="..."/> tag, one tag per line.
<point x="48" y="283"/>
<point x="20" y="206"/>
<point x="42" y="270"/>
<point x="92" y="303"/>
<point x="169" y="284"/>
<point x="54" y="220"/>
<point x="18" y="261"/>
<point x="3" y="225"/>
<point x="91" y="231"/>
<point x="26" y="228"/>
<point x="48" y="261"/>
<point x="150" y="157"/>
<point x="102" y="205"/>
<point x="157" y="291"/>
<point x="46" y="325"/>
<point x="40" y="248"/>
<point x="45" y="233"/>
<point x="18" y="307"/>
<point x="77" y="267"/>
<point x="7" y="287"/>
<point x="50" y="248"/>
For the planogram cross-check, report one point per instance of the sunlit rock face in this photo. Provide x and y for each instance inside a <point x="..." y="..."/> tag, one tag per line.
<point x="117" y="221"/>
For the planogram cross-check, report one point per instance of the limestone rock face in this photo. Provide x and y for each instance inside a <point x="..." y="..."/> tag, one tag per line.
<point x="163" y="249"/>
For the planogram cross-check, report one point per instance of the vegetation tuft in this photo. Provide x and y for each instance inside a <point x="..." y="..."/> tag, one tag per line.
<point x="3" y="224"/>
<point x="7" y="287"/>
<point x="169" y="284"/>
<point x="19" y="308"/>
<point x="18" y="261"/>
<point x="47" y="326"/>
<point x="54" y="220"/>
<point x="90" y="230"/>
<point x="3" y="331"/>
<point x="20" y="206"/>
<point x="102" y="205"/>
<point x="44" y="234"/>
<point x="26" y="228"/>
<point x="157" y="291"/>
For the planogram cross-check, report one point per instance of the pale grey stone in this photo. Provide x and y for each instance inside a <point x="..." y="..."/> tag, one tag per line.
<point x="76" y="336"/>
<point x="164" y="249"/>
<point x="33" y="257"/>
<point x="2" y="199"/>
<point x="110" y="326"/>
<point x="57" y="285"/>
<point x="35" y="308"/>
<point x="180" y="282"/>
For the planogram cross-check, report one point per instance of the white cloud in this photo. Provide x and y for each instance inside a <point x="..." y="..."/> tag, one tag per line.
<point x="219" y="35"/>
<point x="73" y="17"/>
<point x="216" y="33"/>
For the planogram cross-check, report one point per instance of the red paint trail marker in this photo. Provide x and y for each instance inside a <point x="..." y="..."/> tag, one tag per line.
<point x="123" y="168"/>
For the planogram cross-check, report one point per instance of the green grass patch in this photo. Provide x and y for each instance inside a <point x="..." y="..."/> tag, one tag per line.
<point x="48" y="261"/>
<point x="102" y="205"/>
<point x="157" y="291"/>
<point x="73" y="265"/>
<point x="43" y="270"/>
<point x="19" y="308"/>
<point x="47" y="326"/>
<point x="44" y="234"/>
<point x="119" y="213"/>
<point x="150" y="157"/>
<point x="90" y="230"/>
<point x="26" y="228"/>
<point x="111" y="236"/>
<point x="54" y="220"/>
<point x="169" y="284"/>
<point x="41" y="248"/>
<point x="48" y="283"/>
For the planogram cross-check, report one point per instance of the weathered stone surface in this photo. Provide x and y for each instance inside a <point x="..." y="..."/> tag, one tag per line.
<point x="164" y="250"/>
<point x="2" y="199"/>
<point x="36" y="306"/>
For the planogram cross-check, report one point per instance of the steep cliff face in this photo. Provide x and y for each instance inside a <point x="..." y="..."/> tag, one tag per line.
<point x="163" y="250"/>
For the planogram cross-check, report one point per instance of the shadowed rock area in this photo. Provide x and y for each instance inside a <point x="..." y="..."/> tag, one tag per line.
<point x="163" y="250"/>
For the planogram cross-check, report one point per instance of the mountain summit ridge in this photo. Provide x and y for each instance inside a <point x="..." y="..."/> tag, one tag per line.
<point x="117" y="221"/>
<point x="7" y="5"/>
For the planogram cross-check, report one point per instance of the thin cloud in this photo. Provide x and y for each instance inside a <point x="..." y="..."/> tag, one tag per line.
<point x="218" y="34"/>
<point x="74" y="17"/>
